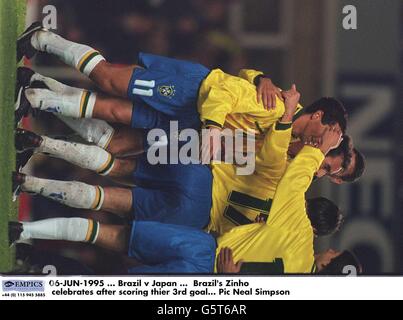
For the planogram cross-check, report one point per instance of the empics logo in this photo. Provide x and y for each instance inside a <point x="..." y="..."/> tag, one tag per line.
<point x="23" y="286"/>
<point x="8" y="284"/>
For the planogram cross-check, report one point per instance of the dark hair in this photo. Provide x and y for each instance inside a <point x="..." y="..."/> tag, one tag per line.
<point x="344" y="150"/>
<point x="358" y="168"/>
<point x="325" y="216"/>
<point x="333" y="111"/>
<point x="336" y="265"/>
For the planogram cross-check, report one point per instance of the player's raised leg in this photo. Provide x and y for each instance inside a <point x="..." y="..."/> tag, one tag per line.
<point x="49" y="95"/>
<point x="78" y="194"/>
<point x="86" y="156"/>
<point x="80" y="103"/>
<point x="118" y="139"/>
<point x="110" y="78"/>
<point x="163" y="248"/>
<point x="167" y="85"/>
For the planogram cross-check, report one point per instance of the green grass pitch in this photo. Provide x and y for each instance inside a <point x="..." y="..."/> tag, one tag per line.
<point x="12" y="22"/>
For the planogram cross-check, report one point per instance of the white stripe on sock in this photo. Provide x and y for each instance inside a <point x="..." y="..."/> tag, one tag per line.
<point x="92" y="64"/>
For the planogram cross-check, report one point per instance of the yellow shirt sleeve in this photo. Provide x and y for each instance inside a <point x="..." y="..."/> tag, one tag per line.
<point x="300" y="257"/>
<point x="218" y="103"/>
<point x="289" y="199"/>
<point x="271" y="160"/>
<point x="249" y="74"/>
<point x="221" y="95"/>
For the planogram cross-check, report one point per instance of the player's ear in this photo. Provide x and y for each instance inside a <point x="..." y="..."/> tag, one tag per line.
<point x="317" y="115"/>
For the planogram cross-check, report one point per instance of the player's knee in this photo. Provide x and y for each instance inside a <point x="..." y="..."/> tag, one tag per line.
<point x="113" y="148"/>
<point x="115" y="145"/>
<point x="119" y="114"/>
<point x="103" y="76"/>
<point x="106" y="79"/>
<point x="110" y="111"/>
<point x="104" y="83"/>
<point x="123" y="168"/>
<point x="118" y="87"/>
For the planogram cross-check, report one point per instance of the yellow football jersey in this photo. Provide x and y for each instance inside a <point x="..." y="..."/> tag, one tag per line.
<point x="239" y="199"/>
<point x="285" y="243"/>
<point x="231" y="102"/>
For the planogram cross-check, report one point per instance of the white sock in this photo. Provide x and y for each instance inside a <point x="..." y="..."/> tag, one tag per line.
<point x="70" y="229"/>
<point x="70" y="193"/>
<point x="94" y="131"/>
<point x="85" y="156"/>
<point x="76" y="103"/>
<point x="53" y="84"/>
<point x="91" y="130"/>
<point x="79" y="56"/>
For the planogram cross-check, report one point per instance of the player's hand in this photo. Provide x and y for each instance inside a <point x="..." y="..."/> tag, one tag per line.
<point x="225" y="262"/>
<point x="267" y="93"/>
<point x="210" y="144"/>
<point x="291" y="99"/>
<point x="331" y="139"/>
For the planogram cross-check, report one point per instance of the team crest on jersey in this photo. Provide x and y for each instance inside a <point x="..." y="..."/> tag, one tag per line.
<point x="166" y="91"/>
